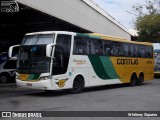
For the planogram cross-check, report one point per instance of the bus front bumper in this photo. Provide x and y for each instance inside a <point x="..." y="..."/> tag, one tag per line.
<point x="41" y="85"/>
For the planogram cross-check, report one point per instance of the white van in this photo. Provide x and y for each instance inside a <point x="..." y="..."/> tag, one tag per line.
<point x="7" y="69"/>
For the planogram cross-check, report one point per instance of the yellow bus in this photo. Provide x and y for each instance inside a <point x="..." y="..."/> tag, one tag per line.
<point x="56" y="60"/>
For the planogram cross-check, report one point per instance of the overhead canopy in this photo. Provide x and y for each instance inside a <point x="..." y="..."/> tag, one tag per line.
<point x="82" y="16"/>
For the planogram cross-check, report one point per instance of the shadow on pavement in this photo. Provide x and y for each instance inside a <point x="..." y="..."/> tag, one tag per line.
<point x="86" y="90"/>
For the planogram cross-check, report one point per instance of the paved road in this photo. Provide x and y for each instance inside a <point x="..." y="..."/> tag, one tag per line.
<point x="105" y="98"/>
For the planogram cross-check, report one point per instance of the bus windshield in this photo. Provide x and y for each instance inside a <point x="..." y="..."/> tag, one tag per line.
<point x="32" y="59"/>
<point x="32" y="54"/>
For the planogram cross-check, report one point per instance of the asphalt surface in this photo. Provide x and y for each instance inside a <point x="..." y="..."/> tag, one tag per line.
<point x="104" y="98"/>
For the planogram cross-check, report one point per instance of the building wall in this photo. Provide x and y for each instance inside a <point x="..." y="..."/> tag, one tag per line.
<point x="82" y="13"/>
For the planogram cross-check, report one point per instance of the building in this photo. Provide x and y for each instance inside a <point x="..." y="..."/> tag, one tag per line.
<point x="67" y="15"/>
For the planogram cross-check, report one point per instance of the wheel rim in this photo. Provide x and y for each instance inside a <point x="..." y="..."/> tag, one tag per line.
<point x="3" y="79"/>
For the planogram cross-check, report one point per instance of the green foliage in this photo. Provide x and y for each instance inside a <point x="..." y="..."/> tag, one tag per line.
<point x="149" y="28"/>
<point x="148" y="21"/>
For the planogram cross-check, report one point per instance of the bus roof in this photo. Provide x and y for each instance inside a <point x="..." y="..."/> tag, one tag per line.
<point x="91" y="35"/>
<point x="113" y="38"/>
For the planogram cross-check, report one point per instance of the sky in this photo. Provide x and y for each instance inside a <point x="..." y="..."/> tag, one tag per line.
<point x="118" y="10"/>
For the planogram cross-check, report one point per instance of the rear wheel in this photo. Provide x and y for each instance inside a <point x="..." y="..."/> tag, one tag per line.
<point x="78" y="85"/>
<point x="133" y="80"/>
<point x="140" y="79"/>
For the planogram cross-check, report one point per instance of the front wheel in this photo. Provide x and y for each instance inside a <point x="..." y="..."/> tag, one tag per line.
<point x="78" y="85"/>
<point x="4" y="78"/>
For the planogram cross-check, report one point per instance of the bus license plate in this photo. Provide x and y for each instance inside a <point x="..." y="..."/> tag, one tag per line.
<point x="29" y="84"/>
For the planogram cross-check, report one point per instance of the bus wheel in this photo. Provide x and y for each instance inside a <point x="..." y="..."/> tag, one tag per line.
<point x="78" y="85"/>
<point x="140" y="79"/>
<point x="133" y="80"/>
<point x="4" y="78"/>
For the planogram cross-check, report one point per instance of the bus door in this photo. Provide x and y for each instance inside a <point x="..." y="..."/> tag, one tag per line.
<point x="61" y="58"/>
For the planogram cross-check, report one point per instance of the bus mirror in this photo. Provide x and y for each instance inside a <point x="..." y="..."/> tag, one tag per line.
<point x="49" y="49"/>
<point x="10" y="53"/>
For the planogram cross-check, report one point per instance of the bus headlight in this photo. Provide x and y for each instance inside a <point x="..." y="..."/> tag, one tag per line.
<point x="44" y="78"/>
<point x="17" y="77"/>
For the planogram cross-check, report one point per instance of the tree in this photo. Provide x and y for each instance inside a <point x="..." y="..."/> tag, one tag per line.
<point x="148" y="21"/>
<point x="148" y="28"/>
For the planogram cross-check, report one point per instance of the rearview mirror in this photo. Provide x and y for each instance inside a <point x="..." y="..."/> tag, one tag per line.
<point x="10" y="52"/>
<point x="49" y="49"/>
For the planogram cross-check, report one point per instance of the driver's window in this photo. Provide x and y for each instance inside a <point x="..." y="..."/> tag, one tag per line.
<point x="62" y="54"/>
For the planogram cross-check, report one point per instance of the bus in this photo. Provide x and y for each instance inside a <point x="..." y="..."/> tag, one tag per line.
<point x="56" y="60"/>
<point x="157" y="59"/>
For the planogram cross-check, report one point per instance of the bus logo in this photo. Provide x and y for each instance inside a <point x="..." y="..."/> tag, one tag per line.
<point x="9" y="6"/>
<point x="61" y="83"/>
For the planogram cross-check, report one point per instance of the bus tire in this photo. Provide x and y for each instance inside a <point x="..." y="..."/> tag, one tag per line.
<point x="78" y="85"/>
<point x="133" y="79"/>
<point x="4" y="78"/>
<point x="140" y="79"/>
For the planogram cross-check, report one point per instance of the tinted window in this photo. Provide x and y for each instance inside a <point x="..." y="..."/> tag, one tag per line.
<point x="96" y="47"/>
<point x="110" y="48"/>
<point x="81" y="46"/>
<point x="142" y="51"/>
<point x="65" y="42"/>
<point x="107" y="47"/>
<point x="122" y="48"/>
<point x="149" y="52"/>
<point x="61" y="55"/>
<point x="133" y="50"/>
<point x="126" y="49"/>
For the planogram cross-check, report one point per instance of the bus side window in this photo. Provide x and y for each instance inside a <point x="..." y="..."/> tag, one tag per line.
<point x="109" y="48"/>
<point x="126" y="49"/>
<point x="131" y="50"/>
<point x="142" y="52"/>
<point x="96" y="47"/>
<point x="81" y="46"/>
<point x="149" y="52"/>
<point x="122" y="48"/>
<point x="115" y="49"/>
<point x="135" y="51"/>
<point x="106" y="47"/>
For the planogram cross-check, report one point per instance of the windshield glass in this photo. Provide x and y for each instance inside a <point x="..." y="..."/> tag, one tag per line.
<point x="40" y="39"/>
<point x="32" y="59"/>
<point x="32" y="54"/>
